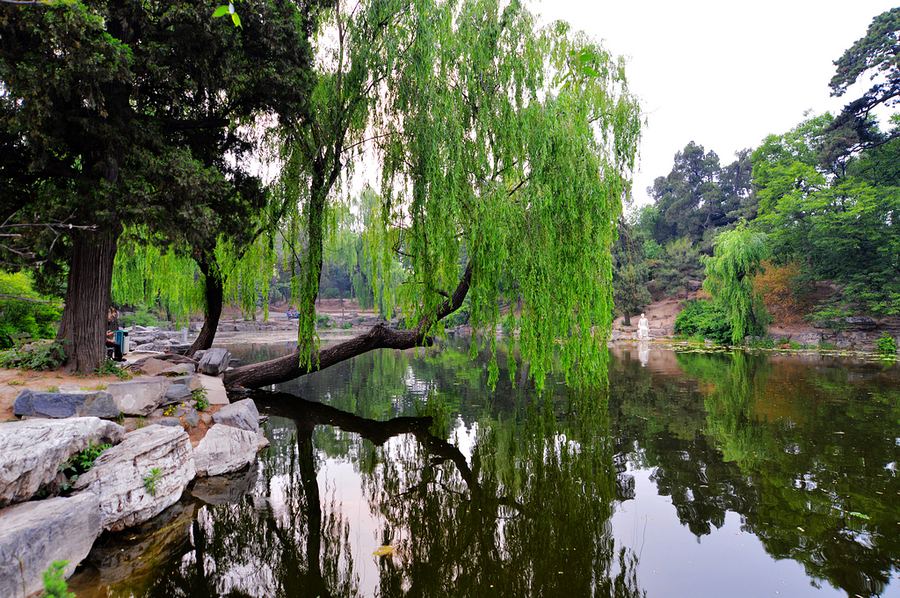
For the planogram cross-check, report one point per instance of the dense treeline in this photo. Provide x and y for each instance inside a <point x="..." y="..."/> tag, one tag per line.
<point x="820" y="201"/>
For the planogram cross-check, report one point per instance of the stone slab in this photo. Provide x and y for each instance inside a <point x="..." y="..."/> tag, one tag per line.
<point x="215" y="390"/>
<point x="35" y="534"/>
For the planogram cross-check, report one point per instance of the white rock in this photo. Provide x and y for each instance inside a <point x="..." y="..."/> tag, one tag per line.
<point x="31" y="451"/>
<point x="118" y="475"/>
<point x="139" y="397"/>
<point x="35" y="534"/>
<point x="242" y="414"/>
<point x="225" y="449"/>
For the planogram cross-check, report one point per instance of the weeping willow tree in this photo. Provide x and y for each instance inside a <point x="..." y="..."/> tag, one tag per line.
<point x="147" y="274"/>
<point x="505" y="152"/>
<point x="738" y="257"/>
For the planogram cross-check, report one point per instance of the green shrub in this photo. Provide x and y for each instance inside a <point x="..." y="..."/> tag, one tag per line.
<point x="54" y="581"/>
<point x="346" y="326"/>
<point x="886" y="345"/>
<point x="331" y="293"/>
<point x="111" y="368"/>
<point x="705" y="319"/>
<point x="42" y="355"/>
<point x="141" y="317"/>
<point x="26" y="311"/>
<point x="322" y="320"/>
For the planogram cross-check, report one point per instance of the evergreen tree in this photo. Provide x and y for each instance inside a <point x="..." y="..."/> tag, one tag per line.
<point x="123" y="112"/>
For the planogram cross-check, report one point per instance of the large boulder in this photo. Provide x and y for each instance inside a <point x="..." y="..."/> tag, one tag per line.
<point x="242" y="414"/>
<point x="80" y="403"/>
<point x="214" y="361"/>
<point x="225" y="449"/>
<point x="140" y="477"/>
<point x="35" y="534"/>
<point x="32" y="451"/>
<point x="139" y="397"/>
<point x="161" y="367"/>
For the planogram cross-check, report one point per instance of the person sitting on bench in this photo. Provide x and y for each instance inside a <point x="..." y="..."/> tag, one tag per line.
<point x="116" y="348"/>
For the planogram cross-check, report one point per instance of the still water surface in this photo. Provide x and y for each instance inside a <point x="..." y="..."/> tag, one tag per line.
<point x="724" y="474"/>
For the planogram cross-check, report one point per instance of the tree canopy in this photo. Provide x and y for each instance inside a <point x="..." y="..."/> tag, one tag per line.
<point x="122" y="112"/>
<point x="506" y="151"/>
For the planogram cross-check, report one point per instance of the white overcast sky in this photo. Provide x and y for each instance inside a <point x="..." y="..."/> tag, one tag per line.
<point x="721" y="73"/>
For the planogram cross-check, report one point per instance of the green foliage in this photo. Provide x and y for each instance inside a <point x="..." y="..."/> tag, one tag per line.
<point x="839" y="221"/>
<point x="199" y="395"/>
<point x="141" y="317"/>
<point x="516" y="170"/>
<point x="161" y="135"/>
<point x="55" y="585"/>
<point x="703" y="319"/>
<point x="81" y="462"/>
<point x="630" y="270"/>
<point x="111" y="368"/>
<point x="831" y="314"/>
<point x="680" y="263"/>
<point x="699" y="197"/>
<point x="43" y="355"/>
<point x="886" y="345"/>
<point x="23" y="310"/>
<point x="147" y="275"/>
<point x="151" y="480"/>
<point x="739" y="254"/>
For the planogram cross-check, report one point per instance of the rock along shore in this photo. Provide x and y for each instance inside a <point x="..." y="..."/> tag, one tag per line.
<point x="159" y="441"/>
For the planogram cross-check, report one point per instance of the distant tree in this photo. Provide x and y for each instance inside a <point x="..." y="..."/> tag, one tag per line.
<point x="630" y="271"/>
<point x="875" y="54"/>
<point x="689" y="198"/>
<point x="679" y="264"/>
<point x="841" y="227"/>
<point x="739" y="254"/>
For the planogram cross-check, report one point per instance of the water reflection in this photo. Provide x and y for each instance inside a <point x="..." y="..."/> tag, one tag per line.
<point x="698" y="474"/>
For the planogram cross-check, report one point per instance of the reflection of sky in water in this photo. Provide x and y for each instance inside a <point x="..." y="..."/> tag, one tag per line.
<point x="727" y="562"/>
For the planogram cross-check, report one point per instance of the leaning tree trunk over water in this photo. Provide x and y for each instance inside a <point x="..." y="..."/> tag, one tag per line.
<point x="82" y="329"/>
<point x="215" y="297"/>
<point x="380" y="336"/>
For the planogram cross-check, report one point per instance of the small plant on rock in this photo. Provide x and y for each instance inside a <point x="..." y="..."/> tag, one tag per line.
<point x="151" y="480"/>
<point x="55" y="582"/>
<point x="199" y="396"/>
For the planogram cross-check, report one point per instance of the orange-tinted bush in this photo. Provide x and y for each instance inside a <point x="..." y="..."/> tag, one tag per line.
<point x="786" y="292"/>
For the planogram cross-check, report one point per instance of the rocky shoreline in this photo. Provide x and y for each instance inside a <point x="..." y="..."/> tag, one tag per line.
<point x="148" y="439"/>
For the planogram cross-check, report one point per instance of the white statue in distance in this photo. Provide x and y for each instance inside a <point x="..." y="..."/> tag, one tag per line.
<point x="643" y="328"/>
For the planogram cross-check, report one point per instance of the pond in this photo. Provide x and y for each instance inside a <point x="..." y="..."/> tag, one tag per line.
<point x="402" y="474"/>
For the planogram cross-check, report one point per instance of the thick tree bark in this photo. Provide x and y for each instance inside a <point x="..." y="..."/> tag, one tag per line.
<point x="215" y="295"/>
<point x="380" y="336"/>
<point x="82" y="329"/>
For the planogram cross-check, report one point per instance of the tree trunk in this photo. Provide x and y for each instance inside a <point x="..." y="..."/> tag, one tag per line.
<point x="626" y="319"/>
<point x="380" y="336"/>
<point x="215" y="294"/>
<point x="82" y="329"/>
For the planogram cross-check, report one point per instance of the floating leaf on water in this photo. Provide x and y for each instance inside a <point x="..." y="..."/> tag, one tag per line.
<point x="860" y="515"/>
<point x="384" y="551"/>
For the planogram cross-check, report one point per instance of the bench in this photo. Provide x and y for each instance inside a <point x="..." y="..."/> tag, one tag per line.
<point x="22" y="338"/>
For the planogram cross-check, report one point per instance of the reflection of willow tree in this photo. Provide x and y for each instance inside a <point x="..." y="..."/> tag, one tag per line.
<point x="822" y="467"/>
<point x="528" y="517"/>
<point x="288" y="548"/>
<point x="669" y="418"/>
